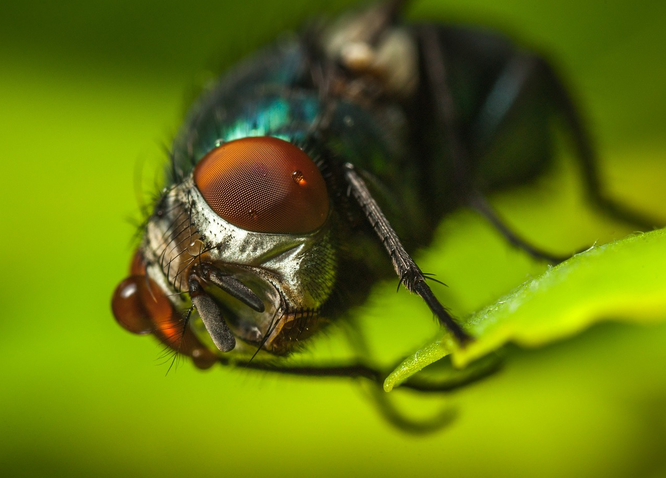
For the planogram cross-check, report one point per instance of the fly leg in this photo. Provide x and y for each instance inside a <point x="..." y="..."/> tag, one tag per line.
<point x="585" y="153"/>
<point x="445" y="115"/>
<point x="410" y="274"/>
<point x="473" y="373"/>
<point x="518" y="76"/>
<point x="481" y="205"/>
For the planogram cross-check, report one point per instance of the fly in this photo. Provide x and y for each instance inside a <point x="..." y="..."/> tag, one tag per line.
<point x="314" y="168"/>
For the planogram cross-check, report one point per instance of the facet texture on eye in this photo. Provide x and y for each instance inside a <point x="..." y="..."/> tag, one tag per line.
<point x="263" y="184"/>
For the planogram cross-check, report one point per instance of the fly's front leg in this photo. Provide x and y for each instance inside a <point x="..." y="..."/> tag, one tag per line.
<point x="410" y="274"/>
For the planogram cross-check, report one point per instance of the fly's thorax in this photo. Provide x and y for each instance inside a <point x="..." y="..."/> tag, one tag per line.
<point x="385" y="55"/>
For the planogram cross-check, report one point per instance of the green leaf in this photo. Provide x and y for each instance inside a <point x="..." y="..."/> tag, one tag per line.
<point x="622" y="281"/>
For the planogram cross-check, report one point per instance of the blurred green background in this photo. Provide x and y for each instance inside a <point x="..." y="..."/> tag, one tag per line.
<point x="90" y="90"/>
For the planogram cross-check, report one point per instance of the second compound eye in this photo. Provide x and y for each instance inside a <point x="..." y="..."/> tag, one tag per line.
<point x="263" y="184"/>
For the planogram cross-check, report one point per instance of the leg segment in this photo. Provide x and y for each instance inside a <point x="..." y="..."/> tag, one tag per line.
<point x="410" y="274"/>
<point x="480" y="204"/>
<point x="471" y="374"/>
<point x="585" y="153"/>
<point x="524" y="71"/>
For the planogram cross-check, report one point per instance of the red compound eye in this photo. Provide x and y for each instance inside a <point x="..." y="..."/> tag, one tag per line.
<point x="141" y="307"/>
<point x="263" y="184"/>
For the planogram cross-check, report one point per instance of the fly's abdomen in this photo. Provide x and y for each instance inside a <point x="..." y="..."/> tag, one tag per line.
<point x="504" y="127"/>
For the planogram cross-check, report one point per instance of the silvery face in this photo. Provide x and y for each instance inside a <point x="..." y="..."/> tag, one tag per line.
<point x="291" y="274"/>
